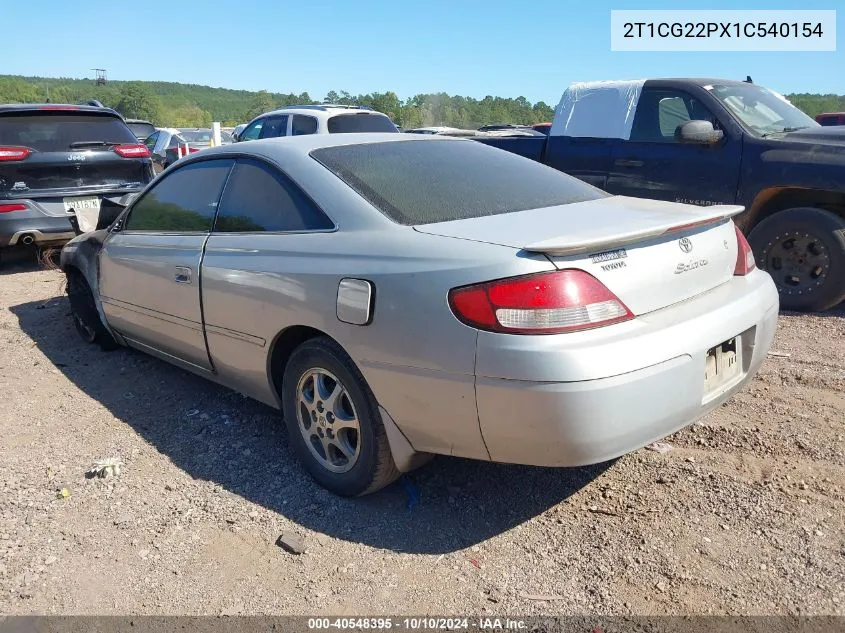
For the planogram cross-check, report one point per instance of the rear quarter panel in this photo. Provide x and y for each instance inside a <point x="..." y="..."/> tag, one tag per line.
<point x="415" y="355"/>
<point x="418" y="359"/>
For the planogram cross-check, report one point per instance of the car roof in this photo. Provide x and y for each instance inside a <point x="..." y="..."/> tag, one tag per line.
<point x="51" y="107"/>
<point x="327" y="109"/>
<point x="283" y="146"/>
<point x="698" y="81"/>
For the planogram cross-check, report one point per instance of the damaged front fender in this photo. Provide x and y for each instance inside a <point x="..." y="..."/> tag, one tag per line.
<point x="82" y="255"/>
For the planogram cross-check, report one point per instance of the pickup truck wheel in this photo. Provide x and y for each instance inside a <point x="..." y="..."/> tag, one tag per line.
<point x="803" y="249"/>
<point x="333" y="421"/>
<point x="86" y="319"/>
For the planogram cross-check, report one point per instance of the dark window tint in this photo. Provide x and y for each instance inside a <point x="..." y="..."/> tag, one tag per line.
<point x="274" y="126"/>
<point x="303" y="125"/>
<point x="661" y="112"/>
<point x="141" y="130"/>
<point x="360" y="122"/>
<point x="259" y="198"/>
<point x="419" y="182"/>
<point x="54" y="132"/>
<point x="184" y="201"/>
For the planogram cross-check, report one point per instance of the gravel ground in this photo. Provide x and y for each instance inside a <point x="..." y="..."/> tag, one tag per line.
<point x="744" y="515"/>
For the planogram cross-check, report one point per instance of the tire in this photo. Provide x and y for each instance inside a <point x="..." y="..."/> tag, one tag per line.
<point x="86" y="319"/>
<point x="367" y="465"/>
<point x="803" y="249"/>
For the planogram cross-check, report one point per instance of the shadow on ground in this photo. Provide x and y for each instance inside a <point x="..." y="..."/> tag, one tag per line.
<point x="28" y="259"/>
<point x="220" y="436"/>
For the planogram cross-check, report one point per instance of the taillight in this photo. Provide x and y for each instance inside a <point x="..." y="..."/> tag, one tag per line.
<point x="744" y="255"/>
<point x="8" y="208"/>
<point x="132" y="151"/>
<point x="13" y="153"/>
<point x="545" y="303"/>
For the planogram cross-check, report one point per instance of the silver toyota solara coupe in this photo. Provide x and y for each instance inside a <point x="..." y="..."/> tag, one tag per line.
<point x="398" y="296"/>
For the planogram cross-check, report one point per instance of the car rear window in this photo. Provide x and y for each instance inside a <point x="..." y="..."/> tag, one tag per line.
<point x="54" y="132"/>
<point x="423" y="182"/>
<point x="360" y="122"/>
<point x="196" y="136"/>
<point x="141" y="130"/>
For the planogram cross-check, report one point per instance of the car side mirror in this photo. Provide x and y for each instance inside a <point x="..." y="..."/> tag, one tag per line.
<point x="234" y="137"/>
<point x="698" y="133"/>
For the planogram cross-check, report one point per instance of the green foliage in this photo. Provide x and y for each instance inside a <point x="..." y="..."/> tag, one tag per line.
<point x="189" y="105"/>
<point x="137" y="101"/>
<point x="814" y="105"/>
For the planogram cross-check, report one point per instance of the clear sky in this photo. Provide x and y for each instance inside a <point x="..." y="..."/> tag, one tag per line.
<point x="468" y="47"/>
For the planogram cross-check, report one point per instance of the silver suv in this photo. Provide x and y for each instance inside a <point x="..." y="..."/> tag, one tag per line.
<point x="315" y="119"/>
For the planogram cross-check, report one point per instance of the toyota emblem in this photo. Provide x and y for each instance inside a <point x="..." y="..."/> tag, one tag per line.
<point x="685" y="244"/>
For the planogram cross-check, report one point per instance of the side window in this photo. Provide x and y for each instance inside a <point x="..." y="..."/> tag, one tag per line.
<point x="303" y="125"/>
<point x="253" y="131"/>
<point x="671" y="112"/>
<point x="183" y="202"/>
<point x="274" y="126"/>
<point x="151" y="140"/>
<point x="174" y="141"/>
<point x="260" y="198"/>
<point x="660" y="113"/>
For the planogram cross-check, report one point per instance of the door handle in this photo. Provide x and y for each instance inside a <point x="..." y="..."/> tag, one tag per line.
<point x="628" y="162"/>
<point x="183" y="275"/>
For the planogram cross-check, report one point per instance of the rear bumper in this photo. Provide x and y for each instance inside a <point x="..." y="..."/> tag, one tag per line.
<point x="45" y="220"/>
<point x="32" y="228"/>
<point x="589" y="420"/>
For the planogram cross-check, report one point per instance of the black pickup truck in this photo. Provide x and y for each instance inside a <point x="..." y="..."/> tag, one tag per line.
<point x="714" y="141"/>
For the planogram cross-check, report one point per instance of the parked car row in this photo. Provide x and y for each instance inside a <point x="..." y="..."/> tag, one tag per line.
<point x="167" y="145"/>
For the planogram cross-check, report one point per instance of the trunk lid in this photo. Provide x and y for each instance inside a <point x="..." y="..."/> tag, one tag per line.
<point x="70" y="153"/>
<point x="649" y="253"/>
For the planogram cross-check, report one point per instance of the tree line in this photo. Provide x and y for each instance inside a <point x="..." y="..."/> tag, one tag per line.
<point x="189" y="105"/>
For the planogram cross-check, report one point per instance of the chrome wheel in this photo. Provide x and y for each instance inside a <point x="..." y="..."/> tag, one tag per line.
<point x="328" y="420"/>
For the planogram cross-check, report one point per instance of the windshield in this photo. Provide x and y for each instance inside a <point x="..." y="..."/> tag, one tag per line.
<point x="762" y="110"/>
<point x="427" y="181"/>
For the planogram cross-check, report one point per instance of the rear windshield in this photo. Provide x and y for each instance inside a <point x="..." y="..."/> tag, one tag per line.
<point x="360" y="122"/>
<point x="196" y="136"/>
<point x="142" y="130"/>
<point x="54" y="132"/>
<point x="422" y="182"/>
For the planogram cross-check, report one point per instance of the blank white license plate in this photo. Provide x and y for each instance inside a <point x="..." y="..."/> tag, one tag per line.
<point x="723" y="365"/>
<point x="87" y="211"/>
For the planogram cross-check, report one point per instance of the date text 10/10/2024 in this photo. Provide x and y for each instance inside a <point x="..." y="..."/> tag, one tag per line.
<point x="417" y="624"/>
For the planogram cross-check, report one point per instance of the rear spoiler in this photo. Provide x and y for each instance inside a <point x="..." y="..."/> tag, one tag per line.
<point x="605" y="239"/>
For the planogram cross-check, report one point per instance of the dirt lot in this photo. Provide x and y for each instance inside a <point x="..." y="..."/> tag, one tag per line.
<point x="744" y="516"/>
